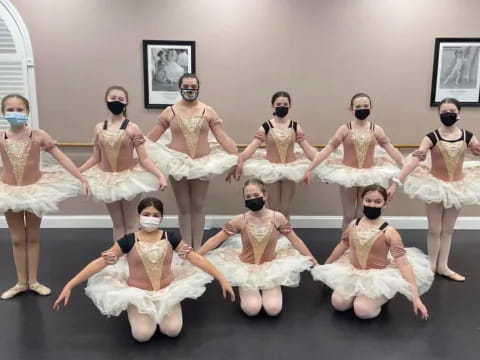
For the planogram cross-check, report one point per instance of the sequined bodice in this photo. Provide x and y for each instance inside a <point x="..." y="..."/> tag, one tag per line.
<point x="191" y="127"/>
<point x="361" y="140"/>
<point x="452" y="153"/>
<point x="282" y="138"/>
<point x="259" y="236"/>
<point x="17" y="152"/>
<point x="363" y="240"/>
<point x="112" y="141"/>
<point x="153" y="256"/>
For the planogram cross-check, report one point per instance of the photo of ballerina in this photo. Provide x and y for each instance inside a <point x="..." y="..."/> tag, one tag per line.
<point x="165" y="61"/>
<point x="456" y="71"/>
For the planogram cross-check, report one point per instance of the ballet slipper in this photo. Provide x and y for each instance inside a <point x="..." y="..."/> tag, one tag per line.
<point x="453" y="276"/>
<point x="40" y="289"/>
<point x="13" y="291"/>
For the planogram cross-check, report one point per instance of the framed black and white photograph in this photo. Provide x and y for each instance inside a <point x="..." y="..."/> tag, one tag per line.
<point x="456" y="71"/>
<point x="164" y="62"/>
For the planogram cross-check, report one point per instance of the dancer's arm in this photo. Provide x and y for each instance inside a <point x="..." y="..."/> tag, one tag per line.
<point x="51" y="147"/>
<point x="384" y="142"/>
<point x="202" y="263"/>
<point x="307" y="148"/>
<point x="398" y="252"/>
<point x="417" y="157"/>
<point x="143" y="158"/>
<point x="342" y="246"/>
<point x="229" y="229"/>
<point x="95" y="158"/>
<point x="258" y="140"/>
<point x="474" y="146"/>
<point x="161" y="126"/>
<point x="225" y="141"/>
<point x="333" y="143"/>
<point x="284" y="227"/>
<point x="88" y="271"/>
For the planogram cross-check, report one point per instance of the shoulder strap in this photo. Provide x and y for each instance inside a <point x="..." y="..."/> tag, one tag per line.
<point x="266" y="128"/>
<point x="204" y="109"/>
<point x="372" y="126"/>
<point x="124" y="124"/>
<point x="105" y="125"/>
<point x="383" y="226"/>
<point x="294" y="125"/>
<point x="349" y="125"/>
<point x="357" y="221"/>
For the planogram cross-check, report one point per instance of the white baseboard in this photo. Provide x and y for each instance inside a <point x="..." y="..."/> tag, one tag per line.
<point x="217" y="221"/>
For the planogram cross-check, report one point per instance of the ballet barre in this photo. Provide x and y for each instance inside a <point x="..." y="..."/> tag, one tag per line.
<point x="240" y="146"/>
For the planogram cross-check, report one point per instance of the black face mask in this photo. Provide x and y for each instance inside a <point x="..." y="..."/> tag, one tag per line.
<point x="255" y="204"/>
<point x="116" y="107"/>
<point x="372" y="213"/>
<point x="448" y="118"/>
<point x="362" y="114"/>
<point x="281" y="111"/>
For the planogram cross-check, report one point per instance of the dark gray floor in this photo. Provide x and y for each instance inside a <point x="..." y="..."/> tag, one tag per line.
<point x="308" y="327"/>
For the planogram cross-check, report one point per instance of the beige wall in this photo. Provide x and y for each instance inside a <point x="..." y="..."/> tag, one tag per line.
<point x="320" y="51"/>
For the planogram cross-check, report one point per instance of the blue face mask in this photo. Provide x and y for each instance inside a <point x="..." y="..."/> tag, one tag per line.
<point x="16" y="119"/>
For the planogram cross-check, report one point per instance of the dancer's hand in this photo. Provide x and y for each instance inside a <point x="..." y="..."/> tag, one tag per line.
<point x="391" y="191"/>
<point x="232" y="173"/>
<point x="184" y="251"/>
<point x="227" y="288"/>
<point x="163" y="182"/>
<point x="314" y="261"/>
<point x="307" y="178"/>
<point x="419" y="306"/>
<point x="85" y="187"/>
<point x="63" y="297"/>
<point x="110" y="257"/>
<point x="239" y="172"/>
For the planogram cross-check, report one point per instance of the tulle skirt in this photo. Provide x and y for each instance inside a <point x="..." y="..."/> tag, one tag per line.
<point x="332" y="170"/>
<point x="284" y="270"/>
<point x="423" y="185"/>
<point x="111" y="295"/>
<point x="181" y="166"/>
<point x="109" y="187"/>
<point x="343" y="277"/>
<point x="43" y="196"/>
<point x="260" y="168"/>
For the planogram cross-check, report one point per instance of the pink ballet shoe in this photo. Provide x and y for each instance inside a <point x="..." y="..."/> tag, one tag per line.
<point x="13" y="291"/>
<point x="39" y="289"/>
<point x="453" y="276"/>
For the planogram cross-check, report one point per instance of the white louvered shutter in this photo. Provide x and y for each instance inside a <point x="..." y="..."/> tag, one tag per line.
<point x="16" y="61"/>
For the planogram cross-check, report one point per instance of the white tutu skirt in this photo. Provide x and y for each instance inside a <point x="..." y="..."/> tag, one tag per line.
<point x="111" y="295"/>
<point x="181" y="166"/>
<point x="54" y="186"/>
<point x="284" y="270"/>
<point x="109" y="187"/>
<point x="260" y="168"/>
<point x="343" y="277"/>
<point x="332" y="170"/>
<point x="423" y="185"/>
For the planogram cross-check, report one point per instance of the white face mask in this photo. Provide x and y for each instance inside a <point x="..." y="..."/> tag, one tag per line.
<point x="149" y="223"/>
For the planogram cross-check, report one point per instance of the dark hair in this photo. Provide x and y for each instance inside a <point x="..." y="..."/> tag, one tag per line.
<point x="256" y="182"/>
<point x="450" y="100"/>
<point x="359" y="95"/>
<point x="150" y="201"/>
<point x="378" y="188"/>
<point x="18" y="96"/>
<point x="188" y="76"/>
<point x="120" y="88"/>
<point x="281" y="94"/>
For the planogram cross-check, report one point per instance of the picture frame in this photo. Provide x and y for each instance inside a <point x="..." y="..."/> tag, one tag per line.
<point x="164" y="62"/>
<point x="456" y="71"/>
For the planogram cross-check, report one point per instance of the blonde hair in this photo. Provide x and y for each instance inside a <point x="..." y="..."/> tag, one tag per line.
<point x="259" y="183"/>
<point x="13" y="96"/>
